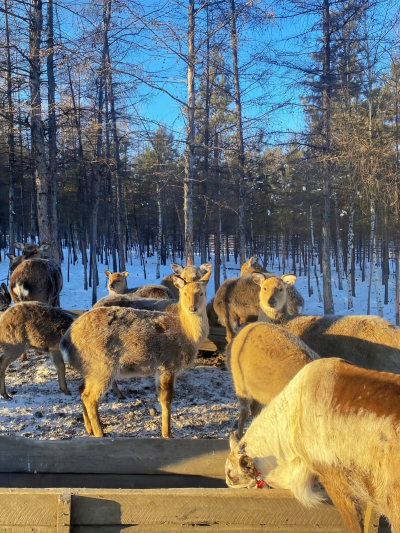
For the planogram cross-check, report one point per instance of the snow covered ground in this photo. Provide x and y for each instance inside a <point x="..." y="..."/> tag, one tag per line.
<point x="204" y="406"/>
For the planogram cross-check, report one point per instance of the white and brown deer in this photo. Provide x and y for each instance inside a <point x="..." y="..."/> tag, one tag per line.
<point x="333" y="422"/>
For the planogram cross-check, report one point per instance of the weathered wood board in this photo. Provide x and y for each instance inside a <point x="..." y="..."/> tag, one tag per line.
<point x="87" y="511"/>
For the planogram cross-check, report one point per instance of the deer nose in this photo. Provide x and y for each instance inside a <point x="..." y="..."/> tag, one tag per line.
<point x="271" y="301"/>
<point x="192" y="308"/>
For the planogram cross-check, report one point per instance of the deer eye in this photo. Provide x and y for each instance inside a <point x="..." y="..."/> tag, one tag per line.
<point x="280" y="290"/>
<point x="185" y="293"/>
<point x="201" y="294"/>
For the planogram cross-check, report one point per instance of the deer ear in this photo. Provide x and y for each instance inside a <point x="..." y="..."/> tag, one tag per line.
<point x="206" y="277"/>
<point x="178" y="282"/>
<point x="5" y="292"/>
<point x="126" y="274"/>
<point x="177" y="268"/>
<point x="44" y="247"/>
<point x="107" y="273"/>
<point x="19" y="246"/>
<point x="11" y="256"/>
<point x="254" y="259"/>
<point x="206" y="267"/>
<point x="289" y="278"/>
<point x="258" y="277"/>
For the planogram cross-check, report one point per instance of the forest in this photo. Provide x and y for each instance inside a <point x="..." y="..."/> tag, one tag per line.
<point x="225" y="128"/>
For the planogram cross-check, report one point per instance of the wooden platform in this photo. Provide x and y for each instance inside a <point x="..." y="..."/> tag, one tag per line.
<point x="141" y="485"/>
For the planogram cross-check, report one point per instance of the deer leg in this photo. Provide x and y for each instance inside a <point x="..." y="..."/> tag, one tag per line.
<point x="86" y="419"/>
<point x="165" y="394"/>
<point x="338" y="490"/>
<point x="393" y="511"/>
<point x="94" y="390"/>
<point x="4" y="364"/>
<point x="116" y="391"/>
<point x="244" y="410"/>
<point x="58" y="362"/>
<point x="256" y="408"/>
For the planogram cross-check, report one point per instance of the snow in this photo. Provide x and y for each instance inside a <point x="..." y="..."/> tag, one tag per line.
<point x="205" y="404"/>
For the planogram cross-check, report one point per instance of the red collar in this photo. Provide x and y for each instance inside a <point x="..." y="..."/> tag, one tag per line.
<point x="260" y="482"/>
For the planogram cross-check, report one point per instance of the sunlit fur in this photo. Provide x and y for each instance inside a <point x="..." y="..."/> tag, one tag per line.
<point x="32" y="325"/>
<point x="110" y="342"/>
<point x="333" y="421"/>
<point x="38" y="280"/>
<point x="366" y="341"/>
<point x="134" y="302"/>
<point x="263" y="358"/>
<point x="189" y="274"/>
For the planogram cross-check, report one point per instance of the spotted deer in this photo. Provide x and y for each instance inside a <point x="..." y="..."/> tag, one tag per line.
<point x="262" y="359"/>
<point x="107" y="342"/>
<point x="334" y="422"/>
<point x="32" y="325"/>
<point x="366" y="341"/>
<point x="188" y="273"/>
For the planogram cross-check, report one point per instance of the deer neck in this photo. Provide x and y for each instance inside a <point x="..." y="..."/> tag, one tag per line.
<point x="194" y="326"/>
<point x="275" y="316"/>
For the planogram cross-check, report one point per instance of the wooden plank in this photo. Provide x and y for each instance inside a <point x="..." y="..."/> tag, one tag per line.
<point x="212" y="528"/>
<point x="28" y="509"/>
<point x="198" y="506"/>
<point x="108" y="481"/>
<point x="29" y="529"/>
<point x="64" y="513"/>
<point x="196" y="457"/>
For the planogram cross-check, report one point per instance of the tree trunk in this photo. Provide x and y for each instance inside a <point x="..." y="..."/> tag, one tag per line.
<point x="327" y="166"/>
<point x="350" y="245"/>
<point x="190" y="142"/>
<point x="374" y="265"/>
<point x="160" y="228"/>
<point x="52" y="134"/>
<point x="338" y="244"/>
<point x="38" y="146"/>
<point x="239" y="127"/>
<point x="315" y="255"/>
<point x="10" y="139"/>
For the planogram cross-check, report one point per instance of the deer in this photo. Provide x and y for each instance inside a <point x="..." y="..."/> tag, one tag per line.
<point x="134" y="302"/>
<point x="29" y="251"/>
<point x="107" y="342"/>
<point x="237" y="301"/>
<point x="5" y="297"/>
<point x="189" y="273"/>
<point x="37" y="280"/>
<point x="367" y="341"/>
<point x="117" y="285"/>
<point x="334" y="422"/>
<point x="262" y="359"/>
<point x="32" y="325"/>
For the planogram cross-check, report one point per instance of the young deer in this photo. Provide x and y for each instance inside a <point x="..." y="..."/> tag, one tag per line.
<point x="263" y="358"/>
<point x="32" y="325"/>
<point x="366" y="341"/>
<point x="29" y="251"/>
<point x="37" y="280"/>
<point x="5" y="297"/>
<point x="117" y="285"/>
<point x="189" y="274"/>
<point x="108" y="342"/>
<point x="335" y="422"/>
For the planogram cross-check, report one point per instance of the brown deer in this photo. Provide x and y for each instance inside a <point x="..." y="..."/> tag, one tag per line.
<point x="29" y="251"/>
<point x="366" y="341"/>
<point x="263" y="358"/>
<point x="108" y="342"/>
<point x="117" y="285"/>
<point x="237" y="301"/>
<point x="5" y="297"/>
<point x="188" y="273"/>
<point x="130" y="300"/>
<point x="32" y="325"/>
<point x="333" y="422"/>
<point x="37" y="280"/>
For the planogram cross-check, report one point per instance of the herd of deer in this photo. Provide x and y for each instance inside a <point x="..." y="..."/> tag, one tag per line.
<point x="324" y="391"/>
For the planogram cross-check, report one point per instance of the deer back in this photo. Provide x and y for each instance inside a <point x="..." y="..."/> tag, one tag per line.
<point x="36" y="280"/>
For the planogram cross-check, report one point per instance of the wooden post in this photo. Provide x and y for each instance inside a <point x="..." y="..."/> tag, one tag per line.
<point x="64" y="513"/>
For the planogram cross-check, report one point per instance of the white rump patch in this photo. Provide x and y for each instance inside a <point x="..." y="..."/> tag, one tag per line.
<point x="21" y="292"/>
